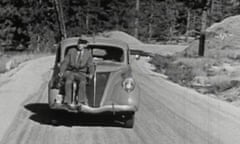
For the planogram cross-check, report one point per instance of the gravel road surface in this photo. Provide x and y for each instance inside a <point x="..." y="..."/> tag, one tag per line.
<point x="169" y="114"/>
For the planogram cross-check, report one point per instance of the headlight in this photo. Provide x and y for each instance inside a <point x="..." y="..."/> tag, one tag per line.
<point x="128" y="84"/>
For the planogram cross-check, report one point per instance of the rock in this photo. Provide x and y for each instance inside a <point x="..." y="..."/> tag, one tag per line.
<point x="9" y="65"/>
<point x="200" y="81"/>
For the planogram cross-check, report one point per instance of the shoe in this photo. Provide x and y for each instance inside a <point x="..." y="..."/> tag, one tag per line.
<point x="72" y="105"/>
<point x="79" y="108"/>
<point x="83" y="103"/>
<point x="65" y="106"/>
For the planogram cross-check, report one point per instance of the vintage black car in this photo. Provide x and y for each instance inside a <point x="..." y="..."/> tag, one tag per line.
<point x="112" y="89"/>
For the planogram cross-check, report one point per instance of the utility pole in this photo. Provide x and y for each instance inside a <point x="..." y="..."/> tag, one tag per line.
<point x="203" y="28"/>
<point x="61" y="22"/>
<point x="137" y="18"/>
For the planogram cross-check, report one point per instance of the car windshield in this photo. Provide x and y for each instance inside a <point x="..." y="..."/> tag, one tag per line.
<point x="107" y="53"/>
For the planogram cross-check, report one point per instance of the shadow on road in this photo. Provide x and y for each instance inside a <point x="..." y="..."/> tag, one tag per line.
<point x="44" y="115"/>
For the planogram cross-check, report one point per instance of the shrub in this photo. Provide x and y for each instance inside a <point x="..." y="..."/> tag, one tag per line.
<point x="221" y="83"/>
<point x="180" y="73"/>
<point x="176" y="71"/>
<point x="161" y="62"/>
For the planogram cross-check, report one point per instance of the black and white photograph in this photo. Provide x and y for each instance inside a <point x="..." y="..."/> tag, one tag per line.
<point x="119" y="71"/>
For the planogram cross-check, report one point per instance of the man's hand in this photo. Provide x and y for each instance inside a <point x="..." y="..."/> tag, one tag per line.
<point x="59" y="80"/>
<point x="60" y="75"/>
<point x="90" y="76"/>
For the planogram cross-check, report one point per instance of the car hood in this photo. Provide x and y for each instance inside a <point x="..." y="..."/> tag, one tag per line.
<point x="107" y="75"/>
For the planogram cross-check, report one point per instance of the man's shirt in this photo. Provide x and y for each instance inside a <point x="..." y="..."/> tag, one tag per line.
<point x="78" y="61"/>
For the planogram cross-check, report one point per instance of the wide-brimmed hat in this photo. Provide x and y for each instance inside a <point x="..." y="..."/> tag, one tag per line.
<point x="82" y="41"/>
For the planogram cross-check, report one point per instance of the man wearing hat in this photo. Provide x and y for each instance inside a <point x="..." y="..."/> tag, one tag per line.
<point x="75" y="66"/>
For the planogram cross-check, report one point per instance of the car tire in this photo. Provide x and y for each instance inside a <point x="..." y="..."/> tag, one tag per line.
<point x="129" y="121"/>
<point x="51" y="94"/>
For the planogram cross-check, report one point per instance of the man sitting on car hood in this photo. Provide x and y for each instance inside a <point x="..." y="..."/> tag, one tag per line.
<point x="75" y="67"/>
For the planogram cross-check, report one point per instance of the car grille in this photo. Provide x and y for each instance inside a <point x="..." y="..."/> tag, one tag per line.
<point x="101" y="82"/>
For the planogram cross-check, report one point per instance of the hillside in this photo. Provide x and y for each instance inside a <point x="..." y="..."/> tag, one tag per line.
<point x="217" y="73"/>
<point x="221" y="37"/>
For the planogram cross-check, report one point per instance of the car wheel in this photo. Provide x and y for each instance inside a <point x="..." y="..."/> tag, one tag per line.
<point x="54" y="122"/>
<point x="50" y="97"/>
<point x="129" y="121"/>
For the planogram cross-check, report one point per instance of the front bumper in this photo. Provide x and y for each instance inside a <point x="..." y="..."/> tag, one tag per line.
<point x="95" y="110"/>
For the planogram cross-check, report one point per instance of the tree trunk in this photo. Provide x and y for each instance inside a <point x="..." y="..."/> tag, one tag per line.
<point x="188" y="23"/>
<point x="150" y="23"/>
<point x="38" y="43"/>
<point x="117" y="21"/>
<point x="137" y="18"/>
<point x="99" y="26"/>
<point x="87" y="17"/>
<point x="61" y="22"/>
<point x="171" y="33"/>
<point x="171" y="14"/>
<point x="87" y="22"/>
<point x="211" y="11"/>
<point x="149" y="32"/>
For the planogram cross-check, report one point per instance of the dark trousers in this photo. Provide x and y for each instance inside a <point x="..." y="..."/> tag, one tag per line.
<point x="70" y="78"/>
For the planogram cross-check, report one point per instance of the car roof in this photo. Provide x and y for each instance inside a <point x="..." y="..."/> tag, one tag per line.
<point x="95" y="41"/>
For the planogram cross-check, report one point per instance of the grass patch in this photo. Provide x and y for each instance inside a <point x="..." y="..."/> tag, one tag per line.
<point x="184" y="70"/>
<point x="216" y="73"/>
<point x="176" y="71"/>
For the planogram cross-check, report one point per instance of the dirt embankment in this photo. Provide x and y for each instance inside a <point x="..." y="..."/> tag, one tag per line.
<point x="218" y="72"/>
<point x="136" y="44"/>
<point x="119" y="35"/>
<point x="10" y="61"/>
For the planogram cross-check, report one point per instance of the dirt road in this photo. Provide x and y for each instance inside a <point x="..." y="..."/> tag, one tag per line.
<point x="169" y="114"/>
